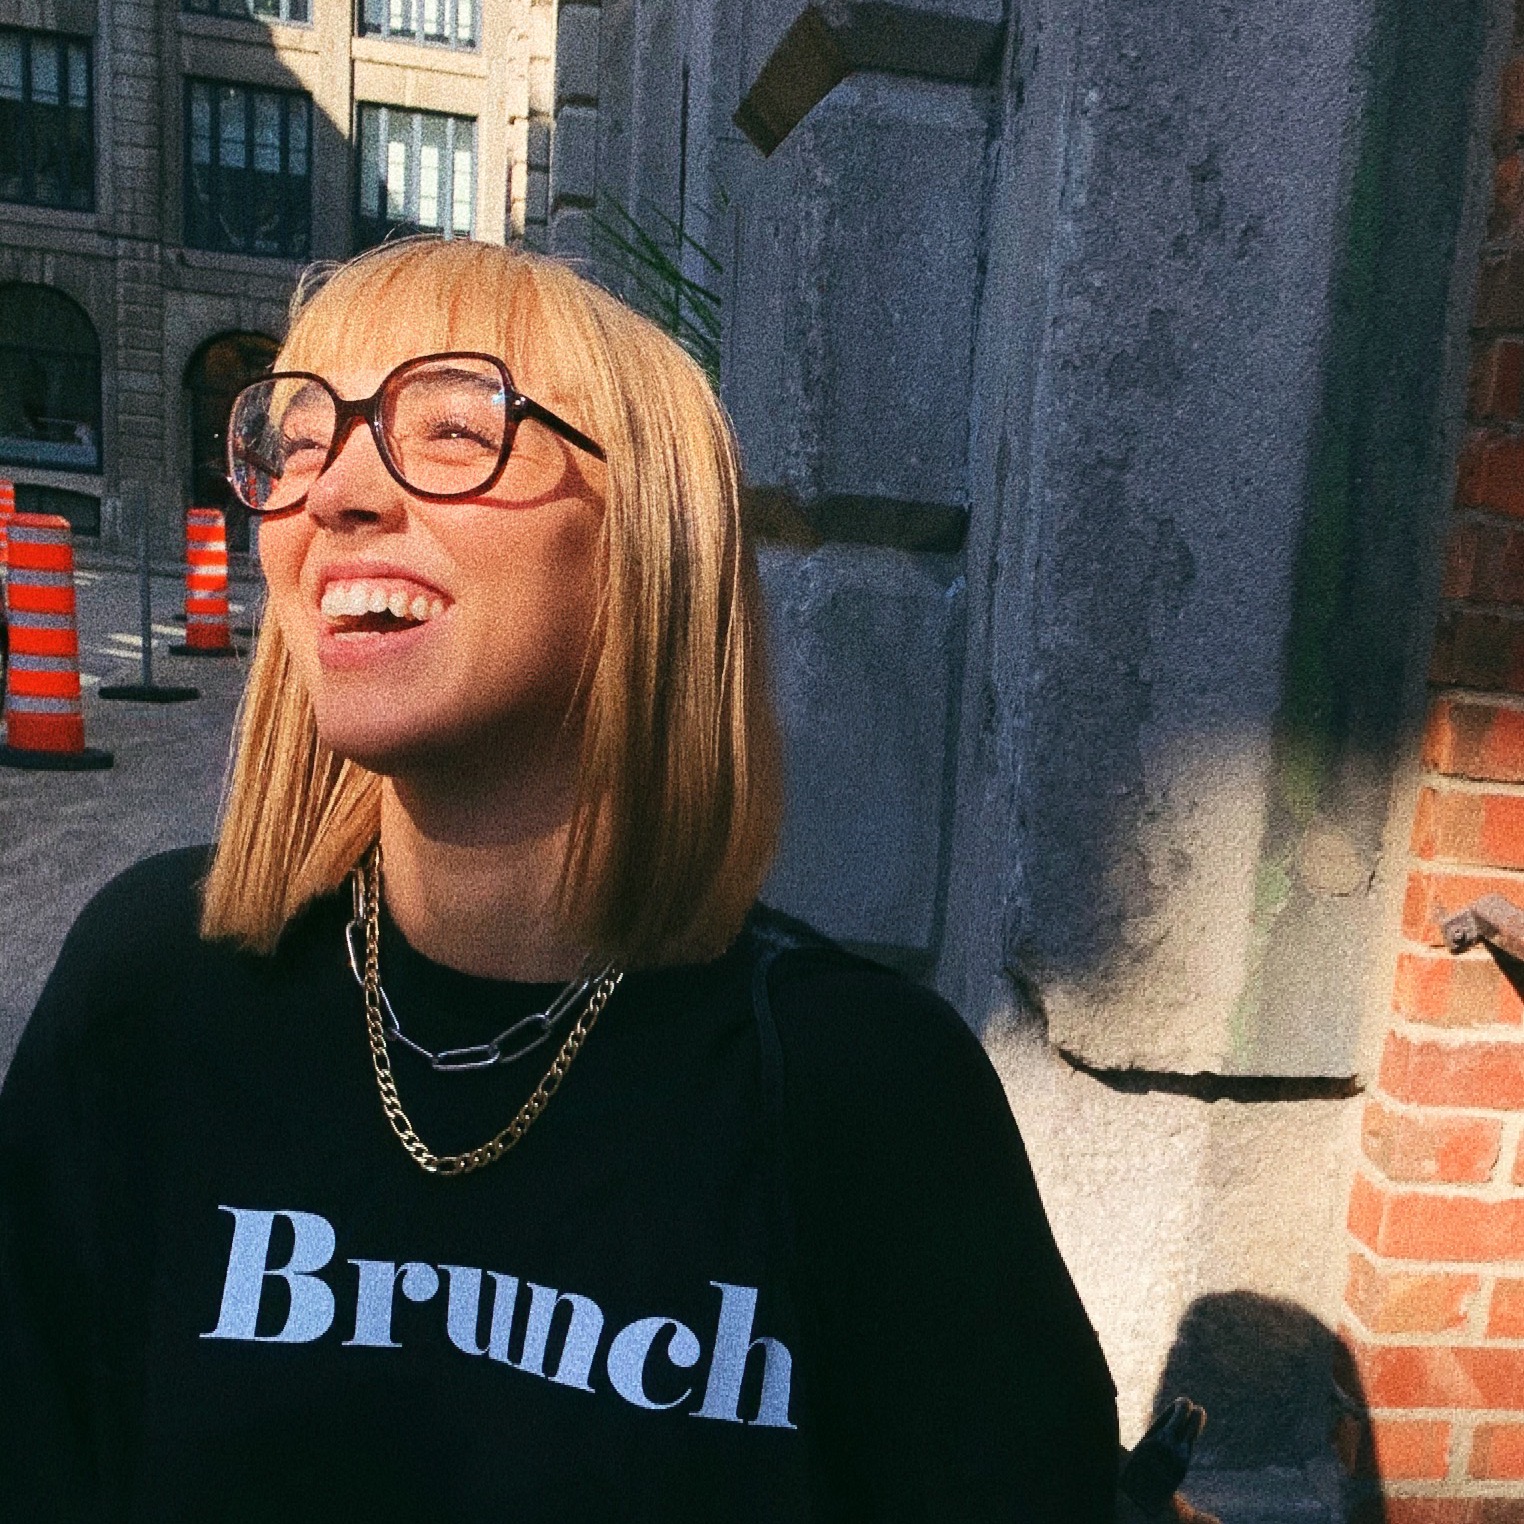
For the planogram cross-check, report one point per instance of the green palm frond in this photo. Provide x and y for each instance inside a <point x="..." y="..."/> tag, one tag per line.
<point x="647" y="258"/>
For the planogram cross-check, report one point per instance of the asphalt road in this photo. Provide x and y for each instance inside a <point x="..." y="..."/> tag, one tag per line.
<point x="64" y="835"/>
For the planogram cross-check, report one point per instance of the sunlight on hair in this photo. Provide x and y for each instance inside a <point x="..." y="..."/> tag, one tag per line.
<point x="679" y="797"/>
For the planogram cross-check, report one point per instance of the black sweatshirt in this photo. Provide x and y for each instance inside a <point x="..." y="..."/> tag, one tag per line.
<point x="773" y="1252"/>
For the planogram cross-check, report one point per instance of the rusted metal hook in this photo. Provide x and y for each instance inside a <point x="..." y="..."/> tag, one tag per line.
<point x="1493" y="922"/>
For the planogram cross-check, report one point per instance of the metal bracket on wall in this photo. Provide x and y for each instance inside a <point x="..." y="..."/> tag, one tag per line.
<point x="1492" y="922"/>
<point x="836" y="38"/>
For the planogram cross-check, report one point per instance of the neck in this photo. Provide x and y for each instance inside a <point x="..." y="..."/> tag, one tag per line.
<point x="471" y="865"/>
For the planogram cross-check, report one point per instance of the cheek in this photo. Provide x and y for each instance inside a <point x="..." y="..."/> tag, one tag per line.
<point x="542" y="601"/>
<point x="282" y="549"/>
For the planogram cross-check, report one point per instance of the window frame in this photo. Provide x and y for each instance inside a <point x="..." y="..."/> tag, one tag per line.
<point x="416" y="36"/>
<point x="240" y="10"/>
<point x="292" y="217"/>
<point x="61" y="42"/>
<point x="369" y="229"/>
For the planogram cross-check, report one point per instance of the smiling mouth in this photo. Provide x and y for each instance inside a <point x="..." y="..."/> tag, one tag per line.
<point x="377" y="608"/>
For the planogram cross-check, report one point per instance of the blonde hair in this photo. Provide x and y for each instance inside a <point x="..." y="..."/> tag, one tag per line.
<point x="678" y="797"/>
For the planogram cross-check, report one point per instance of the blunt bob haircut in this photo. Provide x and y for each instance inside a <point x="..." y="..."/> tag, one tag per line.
<point x="678" y="795"/>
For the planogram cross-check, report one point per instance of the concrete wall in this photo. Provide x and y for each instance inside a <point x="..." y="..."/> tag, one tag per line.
<point x="1218" y="373"/>
<point x="1146" y="463"/>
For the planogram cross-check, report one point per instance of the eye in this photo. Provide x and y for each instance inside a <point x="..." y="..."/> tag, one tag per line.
<point x="295" y="446"/>
<point x="459" y="428"/>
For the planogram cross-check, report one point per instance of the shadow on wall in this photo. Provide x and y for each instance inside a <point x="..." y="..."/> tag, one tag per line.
<point x="1147" y="565"/>
<point x="1286" y="1416"/>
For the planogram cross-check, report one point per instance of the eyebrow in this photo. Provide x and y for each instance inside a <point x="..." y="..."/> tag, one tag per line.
<point x="452" y="378"/>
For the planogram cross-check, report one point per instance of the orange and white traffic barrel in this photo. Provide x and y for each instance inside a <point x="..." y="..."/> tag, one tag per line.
<point x="206" y="585"/>
<point x="7" y="513"/>
<point x="44" y="719"/>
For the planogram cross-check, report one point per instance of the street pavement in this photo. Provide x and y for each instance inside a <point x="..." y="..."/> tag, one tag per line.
<point x="64" y="835"/>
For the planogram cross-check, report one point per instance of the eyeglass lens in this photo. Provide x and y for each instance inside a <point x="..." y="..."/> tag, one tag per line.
<point x="442" y="425"/>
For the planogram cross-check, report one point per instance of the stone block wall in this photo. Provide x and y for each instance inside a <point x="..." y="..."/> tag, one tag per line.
<point x="1435" y="1295"/>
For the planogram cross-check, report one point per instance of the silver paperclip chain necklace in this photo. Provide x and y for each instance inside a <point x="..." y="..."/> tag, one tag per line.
<point x="512" y="1043"/>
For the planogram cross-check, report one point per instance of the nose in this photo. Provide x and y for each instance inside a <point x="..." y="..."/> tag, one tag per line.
<point x="357" y="490"/>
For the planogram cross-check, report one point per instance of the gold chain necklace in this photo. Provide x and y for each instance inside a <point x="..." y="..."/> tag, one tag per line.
<point x="391" y="1103"/>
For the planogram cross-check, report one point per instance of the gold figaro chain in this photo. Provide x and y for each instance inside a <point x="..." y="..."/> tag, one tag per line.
<point x="391" y="1103"/>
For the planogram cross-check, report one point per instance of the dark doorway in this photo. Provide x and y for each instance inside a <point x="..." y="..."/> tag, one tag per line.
<point x="218" y="371"/>
<point x="50" y="381"/>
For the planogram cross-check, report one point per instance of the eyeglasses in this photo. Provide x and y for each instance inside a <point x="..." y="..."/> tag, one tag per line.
<point x="443" y="424"/>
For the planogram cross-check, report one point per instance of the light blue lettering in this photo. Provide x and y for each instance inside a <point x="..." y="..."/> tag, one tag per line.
<point x="631" y="1348"/>
<point x="733" y="1343"/>
<point x="464" y="1311"/>
<point x="373" y="1306"/>
<point x="576" y="1362"/>
<point x="311" y="1312"/>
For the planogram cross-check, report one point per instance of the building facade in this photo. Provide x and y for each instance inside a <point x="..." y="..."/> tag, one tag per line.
<point x="168" y="167"/>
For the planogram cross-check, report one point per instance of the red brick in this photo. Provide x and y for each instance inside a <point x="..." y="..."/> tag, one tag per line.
<point x="1505" y="1317"/>
<point x="1473" y="649"/>
<point x="1410" y="1449"/>
<point x="1399" y="1301"/>
<point x="1430" y="1147"/>
<point x="1492" y="472"/>
<point x="1500" y="292"/>
<point x="1484" y="563"/>
<point x="1425" y="839"/>
<point x="1502" y="216"/>
<point x="1421" y="989"/>
<point x="1518" y="1165"/>
<point x="1451" y="1511"/>
<point x="1497" y="1452"/>
<point x="1434" y="897"/>
<point x="1500" y="567"/>
<point x="1502" y="831"/>
<point x="1350" y="1437"/>
<point x="1474" y="740"/>
<point x="1448" y="825"/>
<point x="1474" y="1073"/>
<point x="1430" y="1226"/>
<point x="1495" y="391"/>
<point x="1461" y="551"/>
<point x="1440" y="990"/>
<point x="1511" y="107"/>
<point x="1482" y="829"/>
<point x="1433" y="1376"/>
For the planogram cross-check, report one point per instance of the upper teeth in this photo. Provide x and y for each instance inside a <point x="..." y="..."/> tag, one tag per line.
<point x="350" y="598"/>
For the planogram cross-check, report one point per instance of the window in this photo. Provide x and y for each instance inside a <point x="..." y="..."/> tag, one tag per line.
<point x="50" y="381"/>
<point x="417" y="174"/>
<point x="446" y="23"/>
<point x="82" y="510"/>
<point x="47" y="142"/>
<point x="247" y="169"/>
<point x="252" y="10"/>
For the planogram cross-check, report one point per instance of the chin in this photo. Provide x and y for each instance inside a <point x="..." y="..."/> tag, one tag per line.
<point x="387" y="743"/>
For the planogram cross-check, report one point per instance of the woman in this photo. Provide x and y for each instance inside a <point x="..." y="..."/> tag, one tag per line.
<point x="297" y="1215"/>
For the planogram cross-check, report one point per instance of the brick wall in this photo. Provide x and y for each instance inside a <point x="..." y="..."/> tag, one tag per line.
<point x="1435" y="1296"/>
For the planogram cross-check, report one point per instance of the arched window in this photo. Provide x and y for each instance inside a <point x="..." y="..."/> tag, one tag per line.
<point x="218" y="371"/>
<point x="50" y="381"/>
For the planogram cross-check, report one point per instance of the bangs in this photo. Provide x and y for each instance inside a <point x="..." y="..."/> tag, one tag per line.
<point x="430" y="295"/>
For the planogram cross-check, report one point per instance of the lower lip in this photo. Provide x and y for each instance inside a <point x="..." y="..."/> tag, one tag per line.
<point x="370" y="648"/>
